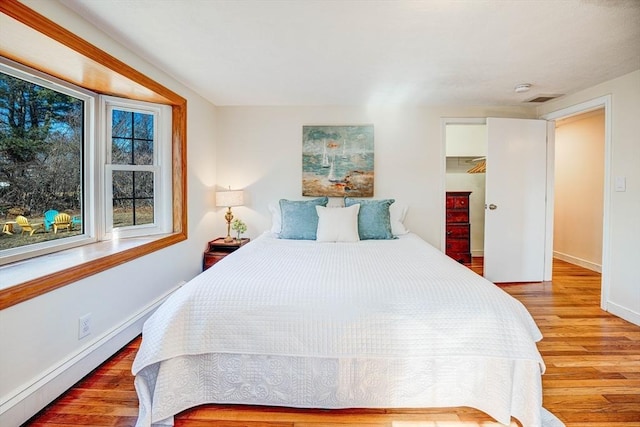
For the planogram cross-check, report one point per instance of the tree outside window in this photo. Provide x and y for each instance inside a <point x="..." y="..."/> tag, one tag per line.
<point x="41" y="149"/>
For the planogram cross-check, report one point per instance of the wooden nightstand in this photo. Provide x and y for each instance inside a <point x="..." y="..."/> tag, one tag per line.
<point x="218" y="249"/>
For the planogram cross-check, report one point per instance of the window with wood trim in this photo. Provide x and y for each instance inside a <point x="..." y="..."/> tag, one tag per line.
<point x="32" y="40"/>
<point x="50" y="199"/>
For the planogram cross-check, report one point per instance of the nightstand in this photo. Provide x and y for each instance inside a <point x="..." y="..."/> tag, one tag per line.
<point x="218" y="249"/>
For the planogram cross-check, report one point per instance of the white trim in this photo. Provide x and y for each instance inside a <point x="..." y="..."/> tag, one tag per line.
<point x="624" y="313"/>
<point x="585" y="107"/>
<point x="589" y="265"/>
<point x="547" y="274"/>
<point x="26" y="402"/>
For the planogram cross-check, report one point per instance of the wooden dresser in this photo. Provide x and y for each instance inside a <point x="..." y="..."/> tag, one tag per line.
<point x="458" y="229"/>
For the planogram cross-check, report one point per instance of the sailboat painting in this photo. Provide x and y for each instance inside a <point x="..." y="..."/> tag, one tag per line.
<point x="337" y="161"/>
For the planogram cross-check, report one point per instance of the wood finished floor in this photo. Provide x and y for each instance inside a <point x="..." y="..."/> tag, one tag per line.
<point x="592" y="377"/>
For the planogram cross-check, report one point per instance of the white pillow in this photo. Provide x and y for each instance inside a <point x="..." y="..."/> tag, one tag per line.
<point x="397" y="212"/>
<point x="338" y="224"/>
<point x="276" y="217"/>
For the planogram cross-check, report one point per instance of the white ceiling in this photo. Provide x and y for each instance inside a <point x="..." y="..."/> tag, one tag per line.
<point x="358" y="52"/>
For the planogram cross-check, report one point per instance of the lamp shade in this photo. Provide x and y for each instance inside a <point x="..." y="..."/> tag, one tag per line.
<point x="230" y="198"/>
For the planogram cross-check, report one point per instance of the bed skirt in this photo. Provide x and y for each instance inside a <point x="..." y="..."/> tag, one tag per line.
<point x="506" y="386"/>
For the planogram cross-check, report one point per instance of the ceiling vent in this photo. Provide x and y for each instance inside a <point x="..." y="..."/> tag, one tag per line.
<point x="543" y="98"/>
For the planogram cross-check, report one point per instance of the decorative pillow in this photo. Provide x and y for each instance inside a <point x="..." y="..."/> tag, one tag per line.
<point x="276" y="217"/>
<point x="373" y="219"/>
<point x="397" y="212"/>
<point x="338" y="224"/>
<point x="299" y="218"/>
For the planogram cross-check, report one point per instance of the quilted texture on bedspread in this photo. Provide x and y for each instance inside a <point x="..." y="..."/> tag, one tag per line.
<point x="364" y="299"/>
<point x="391" y="302"/>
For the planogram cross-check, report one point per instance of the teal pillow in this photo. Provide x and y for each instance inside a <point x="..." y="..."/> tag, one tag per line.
<point x="299" y="218"/>
<point x="374" y="221"/>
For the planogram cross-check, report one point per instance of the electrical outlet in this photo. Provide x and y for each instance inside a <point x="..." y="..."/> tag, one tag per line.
<point x="84" y="326"/>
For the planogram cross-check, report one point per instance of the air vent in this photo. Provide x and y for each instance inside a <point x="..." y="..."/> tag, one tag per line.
<point x="543" y="98"/>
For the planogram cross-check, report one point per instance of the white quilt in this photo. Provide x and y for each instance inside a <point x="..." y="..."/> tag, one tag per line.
<point x="376" y="323"/>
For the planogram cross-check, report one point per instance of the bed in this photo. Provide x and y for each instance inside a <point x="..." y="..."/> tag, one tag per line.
<point x="390" y="323"/>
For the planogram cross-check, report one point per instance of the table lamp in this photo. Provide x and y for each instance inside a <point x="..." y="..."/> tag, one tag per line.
<point x="229" y="198"/>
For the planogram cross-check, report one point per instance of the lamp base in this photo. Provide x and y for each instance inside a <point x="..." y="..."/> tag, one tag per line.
<point x="228" y="216"/>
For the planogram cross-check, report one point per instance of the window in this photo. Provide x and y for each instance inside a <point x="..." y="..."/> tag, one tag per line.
<point x="48" y="153"/>
<point x="43" y="161"/>
<point x="36" y="39"/>
<point x="138" y="191"/>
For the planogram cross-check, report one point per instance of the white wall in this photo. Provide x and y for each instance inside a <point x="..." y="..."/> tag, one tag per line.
<point x="260" y="149"/>
<point x="624" y="228"/>
<point x="578" y="190"/>
<point x="466" y="140"/>
<point x="40" y="352"/>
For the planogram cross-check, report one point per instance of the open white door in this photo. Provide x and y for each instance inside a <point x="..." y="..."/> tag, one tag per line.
<point x="514" y="246"/>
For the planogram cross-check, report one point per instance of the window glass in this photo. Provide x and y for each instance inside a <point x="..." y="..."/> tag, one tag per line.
<point x="132" y="138"/>
<point x="41" y="157"/>
<point x="132" y="198"/>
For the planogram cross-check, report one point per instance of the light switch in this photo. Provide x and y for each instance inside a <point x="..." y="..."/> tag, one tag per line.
<point x="621" y="183"/>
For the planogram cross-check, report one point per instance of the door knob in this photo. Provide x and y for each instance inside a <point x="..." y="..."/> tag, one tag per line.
<point x="493" y="207"/>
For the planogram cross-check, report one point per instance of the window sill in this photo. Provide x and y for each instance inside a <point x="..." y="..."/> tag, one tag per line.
<point x="30" y="278"/>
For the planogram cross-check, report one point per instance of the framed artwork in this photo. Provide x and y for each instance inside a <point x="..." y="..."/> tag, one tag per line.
<point x="337" y="161"/>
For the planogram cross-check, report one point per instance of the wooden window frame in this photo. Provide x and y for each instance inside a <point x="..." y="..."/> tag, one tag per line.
<point x="40" y="38"/>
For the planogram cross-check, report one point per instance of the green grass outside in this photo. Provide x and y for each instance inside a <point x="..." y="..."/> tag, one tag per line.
<point x="18" y="239"/>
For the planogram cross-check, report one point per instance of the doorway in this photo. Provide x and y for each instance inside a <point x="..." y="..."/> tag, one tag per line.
<point x="466" y="150"/>
<point x="603" y="104"/>
<point x="579" y="189"/>
<point x="515" y="188"/>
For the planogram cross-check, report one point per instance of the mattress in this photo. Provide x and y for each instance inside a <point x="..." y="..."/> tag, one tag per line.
<point x="376" y="323"/>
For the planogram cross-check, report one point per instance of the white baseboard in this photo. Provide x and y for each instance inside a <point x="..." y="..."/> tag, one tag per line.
<point x="578" y="261"/>
<point x="623" y="313"/>
<point x="29" y="401"/>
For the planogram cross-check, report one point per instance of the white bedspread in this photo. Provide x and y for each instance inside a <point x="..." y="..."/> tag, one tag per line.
<point x="402" y="324"/>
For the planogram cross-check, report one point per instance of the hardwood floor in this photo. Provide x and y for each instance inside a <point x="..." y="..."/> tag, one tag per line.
<point x="592" y="377"/>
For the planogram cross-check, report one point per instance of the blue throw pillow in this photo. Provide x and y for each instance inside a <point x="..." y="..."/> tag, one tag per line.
<point x="373" y="219"/>
<point x="299" y="218"/>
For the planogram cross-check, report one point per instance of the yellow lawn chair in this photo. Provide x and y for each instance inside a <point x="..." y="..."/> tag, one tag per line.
<point x="26" y="226"/>
<point x="61" y="221"/>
